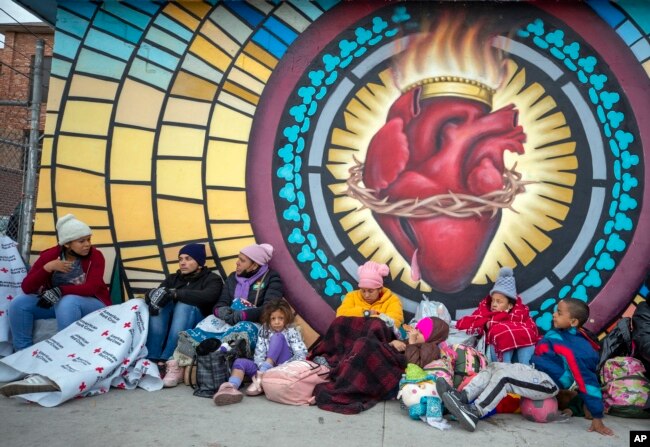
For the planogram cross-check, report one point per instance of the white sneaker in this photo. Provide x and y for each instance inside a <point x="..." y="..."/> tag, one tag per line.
<point x="34" y="383"/>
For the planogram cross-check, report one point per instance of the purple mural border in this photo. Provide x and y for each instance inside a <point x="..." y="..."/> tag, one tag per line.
<point x="629" y="273"/>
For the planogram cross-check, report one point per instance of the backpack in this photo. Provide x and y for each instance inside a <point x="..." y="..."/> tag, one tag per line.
<point x="293" y="383"/>
<point x="466" y="361"/>
<point x="626" y="391"/>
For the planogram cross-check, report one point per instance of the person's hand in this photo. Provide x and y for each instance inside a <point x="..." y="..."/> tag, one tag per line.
<point x="58" y="265"/>
<point x="49" y="297"/>
<point x="399" y="345"/>
<point x="598" y="426"/>
<point x="237" y="316"/>
<point x="157" y="299"/>
<point x="225" y="313"/>
<point x="413" y="336"/>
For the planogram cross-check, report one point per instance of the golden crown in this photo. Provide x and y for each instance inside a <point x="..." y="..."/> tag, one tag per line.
<point x="453" y="86"/>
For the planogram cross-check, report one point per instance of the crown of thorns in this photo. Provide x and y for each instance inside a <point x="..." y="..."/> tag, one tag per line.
<point x="450" y="204"/>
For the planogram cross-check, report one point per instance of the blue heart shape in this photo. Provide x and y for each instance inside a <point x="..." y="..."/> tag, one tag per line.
<point x="400" y="15"/>
<point x="306" y="93"/>
<point x="605" y="262"/>
<point x="609" y="99"/>
<point x="316" y="77"/>
<point x="544" y="322"/>
<point x="556" y="38"/>
<point x="629" y="182"/>
<point x="285" y="172"/>
<point x="627" y="203"/>
<point x="615" y="243"/>
<point x="588" y="63"/>
<point x="580" y="293"/>
<point x="537" y="27"/>
<point x="623" y="138"/>
<point x="291" y="214"/>
<point x="298" y="112"/>
<point x="572" y="50"/>
<point x="615" y="118"/>
<point x="622" y="222"/>
<point x="291" y="133"/>
<point x="598" y="81"/>
<point x="378" y="25"/>
<point x="296" y="237"/>
<point x="347" y="47"/>
<point x="363" y="35"/>
<point x="628" y="160"/>
<point x="286" y="153"/>
<point x="317" y="271"/>
<point x="306" y="254"/>
<point x="288" y="192"/>
<point x="331" y="62"/>
<point x="592" y="280"/>
<point x="332" y="288"/>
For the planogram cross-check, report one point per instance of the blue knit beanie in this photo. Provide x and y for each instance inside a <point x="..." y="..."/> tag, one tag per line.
<point x="195" y="251"/>
<point x="506" y="284"/>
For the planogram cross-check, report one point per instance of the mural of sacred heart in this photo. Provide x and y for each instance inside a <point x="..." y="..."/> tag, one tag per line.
<point x="434" y="173"/>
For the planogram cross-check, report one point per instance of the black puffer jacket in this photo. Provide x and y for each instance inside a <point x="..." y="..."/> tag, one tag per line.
<point x="641" y="333"/>
<point x="269" y="287"/>
<point x="201" y="288"/>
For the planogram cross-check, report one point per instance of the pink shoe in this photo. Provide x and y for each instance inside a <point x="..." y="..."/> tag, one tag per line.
<point x="174" y="374"/>
<point x="255" y="388"/>
<point x="227" y="395"/>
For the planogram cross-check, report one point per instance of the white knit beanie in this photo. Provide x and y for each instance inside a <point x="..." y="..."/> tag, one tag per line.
<point x="69" y="228"/>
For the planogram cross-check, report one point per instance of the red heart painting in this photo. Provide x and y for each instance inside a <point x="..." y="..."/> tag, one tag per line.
<point x="439" y="146"/>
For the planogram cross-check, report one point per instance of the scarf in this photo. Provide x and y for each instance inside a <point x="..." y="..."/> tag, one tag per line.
<point x="244" y="284"/>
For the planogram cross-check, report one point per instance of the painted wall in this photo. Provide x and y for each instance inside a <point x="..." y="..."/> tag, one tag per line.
<point x="444" y="140"/>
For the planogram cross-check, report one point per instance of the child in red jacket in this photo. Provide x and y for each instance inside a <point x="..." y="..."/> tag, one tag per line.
<point x="505" y="320"/>
<point x="66" y="282"/>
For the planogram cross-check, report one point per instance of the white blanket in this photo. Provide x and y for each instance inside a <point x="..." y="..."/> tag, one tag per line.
<point x="105" y="348"/>
<point x="12" y="272"/>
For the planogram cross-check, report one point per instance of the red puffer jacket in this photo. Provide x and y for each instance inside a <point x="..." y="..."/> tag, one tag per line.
<point x="93" y="266"/>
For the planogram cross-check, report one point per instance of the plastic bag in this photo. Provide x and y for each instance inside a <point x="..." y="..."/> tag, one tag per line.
<point x="428" y="308"/>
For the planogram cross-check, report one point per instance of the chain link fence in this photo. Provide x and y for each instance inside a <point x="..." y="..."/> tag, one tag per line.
<point x="13" y="164"/>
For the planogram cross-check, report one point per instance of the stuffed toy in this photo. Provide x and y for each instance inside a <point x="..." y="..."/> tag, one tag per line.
<point x="418" y="394"/>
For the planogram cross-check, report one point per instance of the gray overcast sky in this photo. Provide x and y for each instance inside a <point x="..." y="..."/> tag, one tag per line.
<point x="15" y="11"/>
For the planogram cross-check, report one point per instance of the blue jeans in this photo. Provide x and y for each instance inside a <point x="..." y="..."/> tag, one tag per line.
<point x="23" y="311"/>
<point x="521" y="355"/>
<point x="164" y="328"/>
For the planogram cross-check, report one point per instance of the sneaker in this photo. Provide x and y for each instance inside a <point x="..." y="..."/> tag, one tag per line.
<point x="443" y="387"/>
<point x="174" y="374"/>
<point x="30" y="384"/>
<point x="255" y="388"/>
<point x="467" y="414"/>
<point x="227" y="395"/>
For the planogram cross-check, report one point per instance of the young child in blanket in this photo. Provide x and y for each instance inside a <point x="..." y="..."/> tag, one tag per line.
<point x="277" y="343"/>
<point x="505" y="320"/>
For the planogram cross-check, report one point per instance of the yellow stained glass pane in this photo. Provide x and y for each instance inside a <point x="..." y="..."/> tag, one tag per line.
<point x="51" y="119"/>
<point x="226" y="164"/>
<point x="46" y="151"/>
<point x="88" y="87"/>
<point x="44" y="197"/>
<point x="210" y="53"/>
<point x="127" y="253"/>
<point x="229" y="265"/>
<point x="86" y="117"/>
<point x="253" y="67"/>
<point x="179" y="178"/>
<point x="183" y="141"/>
<point x="261" y="55"/>
<point x="189" y="85"/>
<point x="102" y="237"/>
<point x="216" y="35"/>
<point x="181" y="221"/>
<point x="94" y="218"/>
<point x="223" y="231"/>
<point x="139" y="105"/>
<point x="187" y="111"/>
<point x="80" y="152"/>
<point x="230" y="124"/>
<point x="79" y="187"/>
<point x="241" y="92"/>
<point x="180" y="15"/>
<point x="54" y="96"/>
<point x="44" y="222"/>
<point x="227" y="205"/>
<point x="131" y="154"/>
<point x="132" y="212"/>
<point x="149" y="264"/>
<point x="231" y="247"/>
<point x="199" y="8"/>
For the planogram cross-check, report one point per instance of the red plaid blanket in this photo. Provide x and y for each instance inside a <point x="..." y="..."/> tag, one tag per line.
<point x="365" y="368"/>
<point x="505" y="330"/>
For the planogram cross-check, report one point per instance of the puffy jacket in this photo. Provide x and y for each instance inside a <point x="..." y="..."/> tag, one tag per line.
<point x="389" y="304"/>
<point x="269" y="287"/>
<point x="201" y="289"/>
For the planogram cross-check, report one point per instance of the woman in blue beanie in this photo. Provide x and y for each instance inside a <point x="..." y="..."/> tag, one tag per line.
<point x="178" y="304"/>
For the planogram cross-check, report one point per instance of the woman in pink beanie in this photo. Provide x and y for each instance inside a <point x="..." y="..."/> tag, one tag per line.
<point x="372" y="298"/>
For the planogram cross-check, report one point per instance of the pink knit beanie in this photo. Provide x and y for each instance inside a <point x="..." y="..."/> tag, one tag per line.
<point x="260" y="254"/>
<point x="371" y="275"/>
<point x="425" y="326"/>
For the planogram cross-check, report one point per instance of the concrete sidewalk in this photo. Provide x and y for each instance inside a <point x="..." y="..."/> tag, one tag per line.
<point x="173" y="417"/>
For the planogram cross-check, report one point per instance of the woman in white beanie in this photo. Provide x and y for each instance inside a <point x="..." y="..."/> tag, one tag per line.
<point x="66" y="282"/>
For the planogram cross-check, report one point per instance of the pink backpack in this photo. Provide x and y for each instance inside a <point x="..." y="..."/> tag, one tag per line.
<point x="293" y="383"/>
<point x="626" y="391"/>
